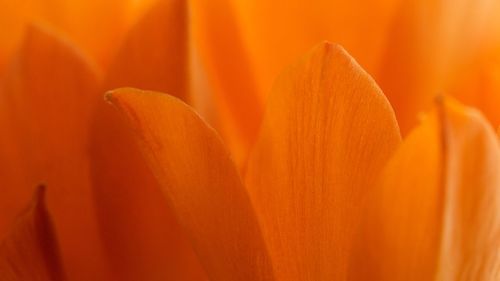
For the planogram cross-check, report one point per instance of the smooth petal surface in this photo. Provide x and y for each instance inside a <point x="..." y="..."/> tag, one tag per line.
<point x="430" y="46"/>
<point x="218" y="39"/>
<point x="86" y="22"/>
<point x="154" y="55"/>
<point x="201" y="183"/>
<point x="15" y="16"/>
<point x="30" y="251"/>
<point x="99" y="27"/>
<point x="480" y="87"/>
<point x="472" y="202"/>
<point x="328" y="131"/>
<point x="141" y="236"/>
<point x="276" y="32"/>
<point x="46" y="113"/>
<point x="436" y="213"/>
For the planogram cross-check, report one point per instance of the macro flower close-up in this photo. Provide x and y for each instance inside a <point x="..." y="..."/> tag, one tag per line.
<point x="253" y="140"/>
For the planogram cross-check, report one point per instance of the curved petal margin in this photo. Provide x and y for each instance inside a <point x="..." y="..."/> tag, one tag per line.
<point x="201" y="183"/>
<point x="30" y="251"/>
<point x="435" y="214"/>
<point x="328" y="131"/>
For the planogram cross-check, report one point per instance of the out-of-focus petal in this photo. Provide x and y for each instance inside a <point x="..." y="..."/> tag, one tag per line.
<point x="96" y="26"/>
<point x="278" y="31"/>
<point x="435" y="214"/>
<point x="201" y="183"/>
<point x="154" y="55"/>
<point x="328" y="131"/>
<point x="46" y="102"/>
<point x="471" y="234"/>
<point x="399" y="238"/>
<point x="30" y="251"/>
<point x="142" y="238"/>
<point x="15" y="15"/>
<point x="426" y="50"/>
<point x="479" y="86"/>
<point x="218" y="40"/>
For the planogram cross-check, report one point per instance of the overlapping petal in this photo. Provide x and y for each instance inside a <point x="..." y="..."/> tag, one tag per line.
<point x="435" y="214"/>
<point x="30" y="250"/>
<point x="430" y="46"/>
<point x="142" y="238"/>
<point x="201" y="183"/>
<point x="155" y="53"/>
<point x="86" y="22"/>
<point x="479" y="86"/>
<point x="276" y="32"/>
<point x="46" y="113"/>
<point x="218" y="39"/>
<point x="328" y="131"/>
<point x="327" y="134"/>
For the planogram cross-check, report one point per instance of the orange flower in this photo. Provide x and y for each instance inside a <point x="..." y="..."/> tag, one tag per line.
<point x="315" y="182"/>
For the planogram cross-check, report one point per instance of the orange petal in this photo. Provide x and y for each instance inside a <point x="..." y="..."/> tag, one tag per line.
<point x="480" y="87"/>
<point x="278" y="31"/>
<point x="141" y="236"/>
<point x="158" y="55"/>
<point x="436" y="212"/>
<point x="218" y="40"/>
<point x="47" y="100"/>
<point x="428" y="45"/>
<point x="30" y="251"/>
<point x="155" y="54"/>
<point x="100" y="26"/>
<point x="14" y="17"/>
<point x="201" y="183"/>
<point x="327" y="132"/>
<point x="471" y="233"/>
<point x="86" y="22"/>
<point x="146" y="243"/>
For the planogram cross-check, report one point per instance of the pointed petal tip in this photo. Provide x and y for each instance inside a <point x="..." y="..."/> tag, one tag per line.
<point x="336" y="54"/>
<point x="330" y="46"/>
<point x="326" y="120"/>
<point x="173" y="135"/>
<point x="37" y="32"/>
<point x="32" y="245"/>
<point x="333" y="55"/>
<point x="39" y="196"/>
<point x="449" y="163"/>
<point x="336" y="50"/>
<point x="326" y="47"/>
<point x="439" y="99"/>
<point x="450" y="106"/>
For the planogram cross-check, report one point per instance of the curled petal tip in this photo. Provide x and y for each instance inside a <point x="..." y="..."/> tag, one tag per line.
<point x="109" y="96"/>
